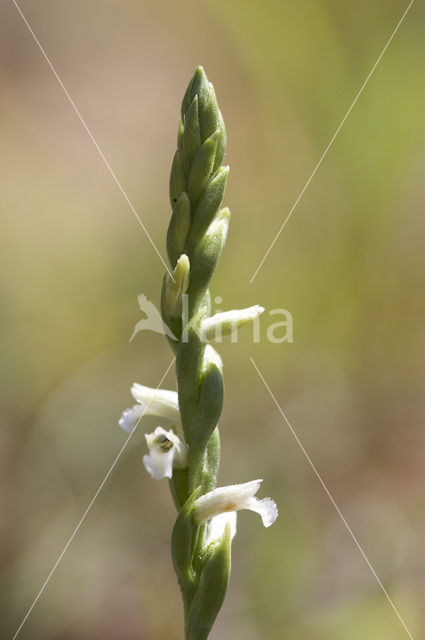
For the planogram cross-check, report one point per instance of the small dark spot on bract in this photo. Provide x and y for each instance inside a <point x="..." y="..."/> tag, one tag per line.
<point x="174" y="199"/>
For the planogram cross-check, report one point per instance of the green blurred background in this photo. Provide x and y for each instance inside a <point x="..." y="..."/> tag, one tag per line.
<point x="349" y="266"/>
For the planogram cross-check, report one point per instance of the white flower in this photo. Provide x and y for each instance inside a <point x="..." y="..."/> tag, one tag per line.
<point x="166" y="451"/>
<point x="229" y="322"/>
<point x="234" y="498"/>
<point x="153" y="402"/>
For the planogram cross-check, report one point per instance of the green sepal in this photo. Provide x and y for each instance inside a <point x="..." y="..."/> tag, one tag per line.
<point x="178" y="228"/>
<point x="177" y="178"/>
<point x="211" y="589"/>
<point x="207" y="207"/>
<point x="191" y="132"/>
<point x="202" y="167"/>
<point x="182" y="537"/>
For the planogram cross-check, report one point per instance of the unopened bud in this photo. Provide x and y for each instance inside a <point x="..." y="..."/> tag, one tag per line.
<point x="174" y="289"/>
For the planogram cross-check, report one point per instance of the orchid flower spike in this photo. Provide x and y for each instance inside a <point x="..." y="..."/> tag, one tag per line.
<point x="234" y="498"/>
<point x="195" y="239"/>
<point x="151" y="402"/>
<point x="166" y="451"/>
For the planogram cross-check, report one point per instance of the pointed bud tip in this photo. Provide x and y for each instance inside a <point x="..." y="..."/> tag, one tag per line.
<point x="182" y="263"/>
<point x="200" y="76"/>
<point x="200" y="84"/>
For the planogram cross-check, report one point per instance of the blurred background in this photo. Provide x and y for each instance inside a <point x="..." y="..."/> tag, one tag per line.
<point x="349" y="266"/>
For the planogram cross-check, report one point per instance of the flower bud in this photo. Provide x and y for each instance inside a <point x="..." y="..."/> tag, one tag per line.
<point x="174" y="289"/>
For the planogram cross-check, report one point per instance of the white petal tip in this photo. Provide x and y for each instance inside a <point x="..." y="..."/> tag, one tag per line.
<point x="269" y="511"/>
<point x="129" y="418"/>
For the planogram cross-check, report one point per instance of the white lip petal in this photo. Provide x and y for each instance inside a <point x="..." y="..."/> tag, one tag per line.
<point x="266" y="508"/>
<point x="161" y="460"/>
<point x="130" y="417"/>
<point x="158" y="464"/>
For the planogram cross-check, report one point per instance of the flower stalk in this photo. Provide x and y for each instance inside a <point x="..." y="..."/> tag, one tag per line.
<point x="206" y="521"/>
